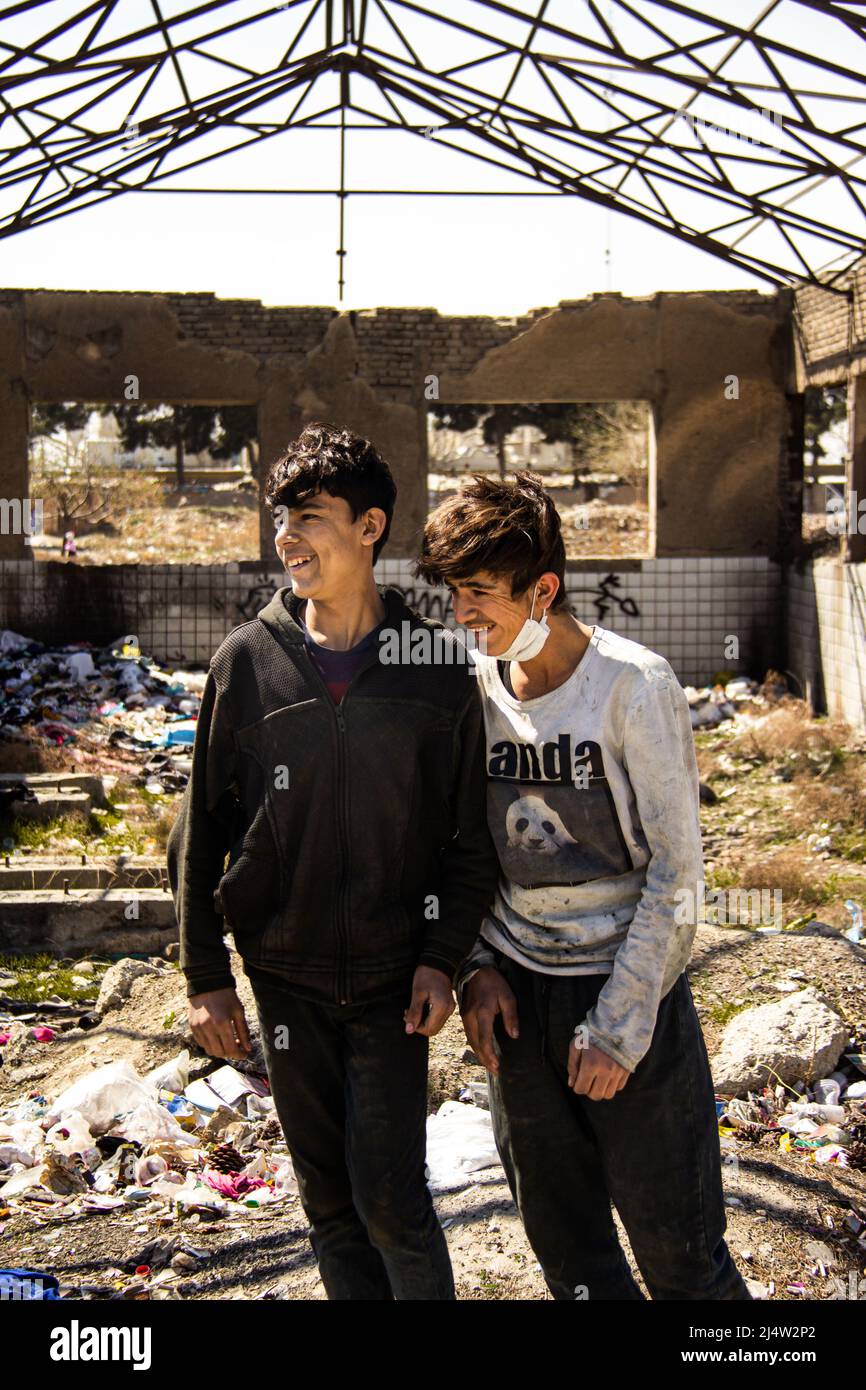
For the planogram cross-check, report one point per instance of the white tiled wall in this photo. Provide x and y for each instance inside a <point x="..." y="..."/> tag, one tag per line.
<point x="827" y="636"/>
<point x="686" y="609"/>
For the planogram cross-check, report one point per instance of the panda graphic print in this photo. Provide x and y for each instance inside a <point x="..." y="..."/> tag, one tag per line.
<point x="552" y="814"/>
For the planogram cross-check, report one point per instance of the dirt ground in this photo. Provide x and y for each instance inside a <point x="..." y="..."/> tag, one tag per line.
<point x="778" y="1202"/>
<point x="789" y="811"/>
<point x="199" y="525"/>
<point x="210" y="526"/>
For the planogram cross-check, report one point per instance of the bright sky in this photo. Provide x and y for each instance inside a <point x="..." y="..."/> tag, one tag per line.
<point x="458" y="254"/>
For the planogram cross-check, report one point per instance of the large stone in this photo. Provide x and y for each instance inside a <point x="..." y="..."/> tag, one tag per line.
<point x="798" y="1038"/>
<point x="117" y="982"/>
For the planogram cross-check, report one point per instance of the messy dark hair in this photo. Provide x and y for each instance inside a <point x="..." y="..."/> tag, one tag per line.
<point x="503" y="528"/>
<point x="326" y="459"/>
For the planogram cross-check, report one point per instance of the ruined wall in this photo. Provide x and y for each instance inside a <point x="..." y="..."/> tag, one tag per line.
<point x="830" y="330"/>
<point x="826" y="598"/>
<point x="720" y="457"/>
<point x="719" y="470"/>
<point x="826" y="623"/>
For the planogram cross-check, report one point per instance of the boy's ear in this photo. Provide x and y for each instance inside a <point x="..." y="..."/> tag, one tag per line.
<point x="548" y="588"/>
<point x="375" y="521"/>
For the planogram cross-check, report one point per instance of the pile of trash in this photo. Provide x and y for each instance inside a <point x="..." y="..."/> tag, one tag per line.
<point x="824" y="1123"/>
<point x="184" y="1145"/>
<point x="715" y="703"/>
<point x="114" y="695"/>
<point x="114" y="1139"/>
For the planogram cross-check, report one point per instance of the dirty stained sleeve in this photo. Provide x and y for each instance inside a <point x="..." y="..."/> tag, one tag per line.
<point x="659" y="756"/>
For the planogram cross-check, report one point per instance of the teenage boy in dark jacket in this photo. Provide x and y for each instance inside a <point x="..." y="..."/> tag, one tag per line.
<point x="348" y="790"/>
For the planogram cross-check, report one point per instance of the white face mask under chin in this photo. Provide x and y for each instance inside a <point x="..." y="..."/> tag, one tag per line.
<point x="529" y="640"/>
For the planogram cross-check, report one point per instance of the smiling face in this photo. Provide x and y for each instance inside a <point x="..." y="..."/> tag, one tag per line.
<point x="323" y="548"/>
<point x="485" y="605"/>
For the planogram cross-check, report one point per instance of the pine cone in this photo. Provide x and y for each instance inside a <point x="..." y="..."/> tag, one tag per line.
<point x="226" y="1159"/>
<point x="270" y="1129"/>
<point x="754" y="1133"/>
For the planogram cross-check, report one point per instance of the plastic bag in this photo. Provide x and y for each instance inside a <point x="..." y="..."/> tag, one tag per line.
<point x="20" y="1182"/>
<point x="80" y="665"/>
<point x="149" y="1168"/>
<point x="459" y="1142"/>
<point x="195" y="1194"/>
<point x="168" y="1185"/>
<point x="104" y="1095"/>
<point x="172" y="1075"/>
<point x="822" y="1114"/>
<point x="23" y="1134"/>
<point x="147" y="1122"/>
<point x="284" y="1175"/>
<point x="13" y="1153"/>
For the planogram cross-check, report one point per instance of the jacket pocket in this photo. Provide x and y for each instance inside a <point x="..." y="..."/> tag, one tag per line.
<point x="254" y="886"/>
<point x="402" y="927"/>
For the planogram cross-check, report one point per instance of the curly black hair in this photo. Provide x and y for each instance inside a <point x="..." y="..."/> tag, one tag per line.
<point x="326" y="459"/>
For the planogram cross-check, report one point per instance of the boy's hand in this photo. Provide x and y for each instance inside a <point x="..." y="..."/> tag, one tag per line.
<point x="487" y="994"/>
<point x="592" y="1073"/>
<point x="219" y="1024"/>
<point x="432" y="1002"/>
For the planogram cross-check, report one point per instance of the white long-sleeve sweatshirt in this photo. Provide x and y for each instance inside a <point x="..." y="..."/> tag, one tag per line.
<point x="593" y="803"/>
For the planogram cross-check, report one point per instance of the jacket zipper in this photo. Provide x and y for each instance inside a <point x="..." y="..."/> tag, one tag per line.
<point x="343" y="992"/>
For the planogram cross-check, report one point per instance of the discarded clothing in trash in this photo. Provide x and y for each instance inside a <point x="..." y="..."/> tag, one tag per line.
<point x="113" y="695"/>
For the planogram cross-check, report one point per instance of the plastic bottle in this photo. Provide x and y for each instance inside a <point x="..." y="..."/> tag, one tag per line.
<point x="855" y="931"/>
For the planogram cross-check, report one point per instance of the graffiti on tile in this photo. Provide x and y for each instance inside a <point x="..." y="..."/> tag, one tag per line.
<point x="260" y="592"/>
<point x="605" y="595"/>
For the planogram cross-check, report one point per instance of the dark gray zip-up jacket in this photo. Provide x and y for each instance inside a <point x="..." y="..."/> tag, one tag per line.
<point x="357" y="834"/>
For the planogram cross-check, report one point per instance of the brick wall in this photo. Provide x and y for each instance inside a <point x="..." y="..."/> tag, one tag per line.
<point x="831" y="328"/>
<point x="397" y="347"/>
<point x="249" y="325"/>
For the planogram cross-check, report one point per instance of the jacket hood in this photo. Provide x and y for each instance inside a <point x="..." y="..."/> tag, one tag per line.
<point x="280" y="613"/>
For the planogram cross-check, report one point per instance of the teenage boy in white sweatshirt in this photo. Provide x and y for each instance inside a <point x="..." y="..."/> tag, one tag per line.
<point x="574" y="996"/>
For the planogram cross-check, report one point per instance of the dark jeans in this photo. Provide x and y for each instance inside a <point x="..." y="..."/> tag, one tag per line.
<point x="350" y="1092"/>
<point x="653" y="1150"/>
